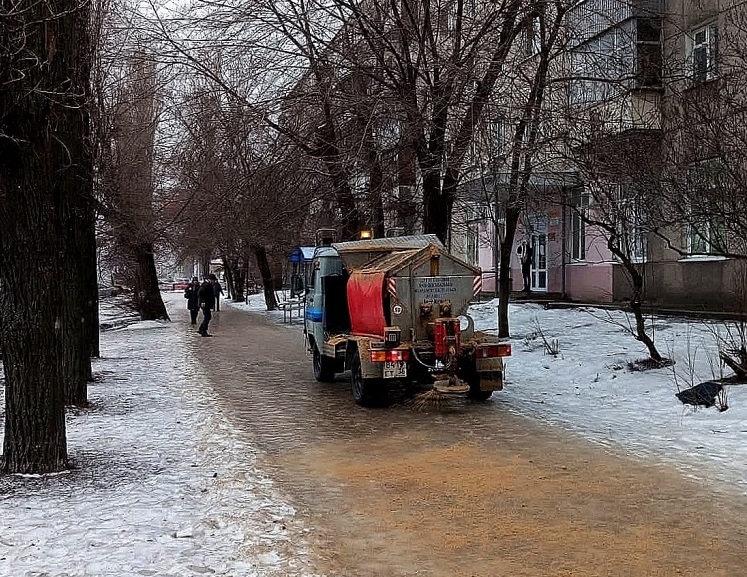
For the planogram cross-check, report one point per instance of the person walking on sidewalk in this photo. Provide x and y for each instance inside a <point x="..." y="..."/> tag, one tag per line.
<point x="193" y="301"/>
<point x="217" y="290"/>
<point x="206" y="296"/>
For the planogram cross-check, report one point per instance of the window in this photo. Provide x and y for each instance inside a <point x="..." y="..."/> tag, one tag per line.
<point x="602" y="67"/>
<point x="702" y="53"/>
<point x="498" y="136"/>
<point x="707" y="183"/>
<point x="632" y="231"/>
<point x="648" y="52"/>
<point x="580" y="204"/>
<point x="533" y="37"/>
<point x="706" y="237"/>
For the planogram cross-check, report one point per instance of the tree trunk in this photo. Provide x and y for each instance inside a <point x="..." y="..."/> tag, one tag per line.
<point x="146" y="294"/>
<point x="504" y="279"/>
<point x="636" y="300"/>
<point x="437" y="208"/>
<point x="76" y="203"/>
<point x="205" y="265"/>
<point x="376" y="183"/>
<point x="640" y="334"/>
<point x="31" y="309"/>
<point x="36" y="143"/>
<point x="76" y="363"/>
<point x="79" y="272"/>
<point x="636" y="280"/>
<point x="328" y="152"/>
<point x="228" y="275"/>
<point x="267" y="283"/>
<point x="236" y="276"/>
<point x="92" y="286"/>
<point x="407" y="207"/>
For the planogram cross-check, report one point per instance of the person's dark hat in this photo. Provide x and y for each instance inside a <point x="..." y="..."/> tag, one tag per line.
<point x="194" y="278"/>
<point x="211" y="276"/>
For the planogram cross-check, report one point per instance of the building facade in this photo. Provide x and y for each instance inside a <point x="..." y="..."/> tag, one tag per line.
<point x="646" y="82"/>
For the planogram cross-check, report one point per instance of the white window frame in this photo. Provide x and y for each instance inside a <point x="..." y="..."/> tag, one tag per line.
<point x="702" y="46"/>
<point x="578" y="228"/>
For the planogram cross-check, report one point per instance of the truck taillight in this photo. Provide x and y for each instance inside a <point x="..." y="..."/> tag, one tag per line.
<point x="390" y="355"/>
<point x="489" y="351"/>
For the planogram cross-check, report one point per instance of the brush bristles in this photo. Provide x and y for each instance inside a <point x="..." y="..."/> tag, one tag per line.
<point x="430" y="399"/>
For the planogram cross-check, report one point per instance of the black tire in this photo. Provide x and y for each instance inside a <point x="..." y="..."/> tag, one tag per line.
<point x="324" y="367"/>
<point x="475" y="393"/>
<point x="366" y="392"/>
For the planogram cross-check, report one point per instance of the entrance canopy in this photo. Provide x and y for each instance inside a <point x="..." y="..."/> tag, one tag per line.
<point x="301" y="254"/>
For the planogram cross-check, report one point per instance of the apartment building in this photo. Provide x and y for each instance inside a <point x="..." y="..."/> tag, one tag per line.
<point x="632" y="160"/>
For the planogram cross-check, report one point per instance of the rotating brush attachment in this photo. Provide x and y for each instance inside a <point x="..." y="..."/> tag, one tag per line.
<point x="445" y="387"/>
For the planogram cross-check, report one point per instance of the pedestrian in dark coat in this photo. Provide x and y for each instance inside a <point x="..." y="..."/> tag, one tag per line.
<point x="193" y="301"/>
<point x="206" y="296"/>
<point x="526" y="254"/>
<point x="217" y="290"/>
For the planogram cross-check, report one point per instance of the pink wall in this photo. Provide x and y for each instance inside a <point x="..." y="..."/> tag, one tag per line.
<point x="589" y="280"/>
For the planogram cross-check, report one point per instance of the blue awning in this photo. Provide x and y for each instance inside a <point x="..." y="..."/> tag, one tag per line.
<point x="302" y="254"/>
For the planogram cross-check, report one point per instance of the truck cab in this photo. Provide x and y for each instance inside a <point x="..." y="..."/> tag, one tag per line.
<point x="326" y="306"/>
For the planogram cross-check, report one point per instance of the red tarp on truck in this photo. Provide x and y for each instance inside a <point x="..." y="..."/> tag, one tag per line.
<point x="366" y="303"/>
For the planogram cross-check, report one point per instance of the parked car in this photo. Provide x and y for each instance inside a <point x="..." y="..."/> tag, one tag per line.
<point x="180" y="284"/>
<point x="165" y="284"/>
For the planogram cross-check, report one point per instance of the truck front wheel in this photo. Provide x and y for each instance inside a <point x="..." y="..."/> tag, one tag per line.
<point x="324" y="368"/>
<point x="366" y="393"/>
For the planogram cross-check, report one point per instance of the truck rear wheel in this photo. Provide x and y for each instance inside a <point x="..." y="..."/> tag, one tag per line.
<point x="366" y="392"/>
<point x="475" y="392"/>
<point x="324" y="368"/>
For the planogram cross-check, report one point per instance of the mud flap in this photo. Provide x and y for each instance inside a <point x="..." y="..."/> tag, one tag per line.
<point x="491" y="373"/>
<point x="491" y="381"/>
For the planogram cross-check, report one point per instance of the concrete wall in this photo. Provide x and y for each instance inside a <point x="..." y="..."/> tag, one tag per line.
<point x="690" y="284"/>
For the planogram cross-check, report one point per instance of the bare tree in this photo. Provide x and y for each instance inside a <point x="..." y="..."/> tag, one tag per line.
<point x="238" y="188"/>
<point x="128" y="179"/>
<point x="618" y="211"/>
<point x="427" y="72"/>
<point x="517" y="133"/>
<point x="44" y="71"/>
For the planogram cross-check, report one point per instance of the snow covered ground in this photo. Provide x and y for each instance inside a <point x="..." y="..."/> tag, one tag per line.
<point x="587" y="388"/>
<point x="167" y="487"/>
<point x="164" y="485"/>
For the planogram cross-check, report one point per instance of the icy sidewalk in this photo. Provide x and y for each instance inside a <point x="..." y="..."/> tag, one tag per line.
<point x="163" y="486"/>
<point x="586" y="387"/>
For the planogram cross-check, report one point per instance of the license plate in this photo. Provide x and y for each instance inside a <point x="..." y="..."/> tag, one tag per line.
<point x="395" y="369"/>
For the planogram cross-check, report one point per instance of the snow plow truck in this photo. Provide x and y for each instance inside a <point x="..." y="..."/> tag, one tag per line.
<point x="392" y="311"/>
